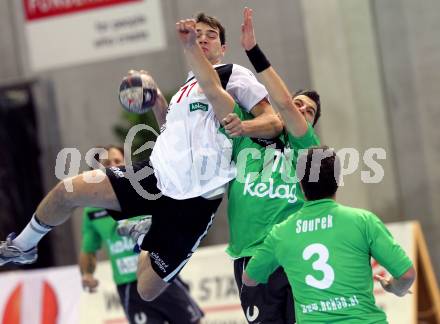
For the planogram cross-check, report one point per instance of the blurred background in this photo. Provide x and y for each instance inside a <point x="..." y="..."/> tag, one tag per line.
<point x="376" y="65"/>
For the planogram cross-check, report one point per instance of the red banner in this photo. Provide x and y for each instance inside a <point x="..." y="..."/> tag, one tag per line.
<point x="37" y="9"/>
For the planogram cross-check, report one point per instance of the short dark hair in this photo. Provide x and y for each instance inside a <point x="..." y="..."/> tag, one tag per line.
<point x="323" y="161"/>
<point x="213" y="22"/>
<point x="107" y="148"/>
<point x="312" y="94"/>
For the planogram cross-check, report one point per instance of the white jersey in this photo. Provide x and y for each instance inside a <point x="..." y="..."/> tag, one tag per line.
<point x="191" y="157"/>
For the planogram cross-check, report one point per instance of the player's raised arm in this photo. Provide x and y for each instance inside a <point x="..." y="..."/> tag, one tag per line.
<point x="205" y="74"/>
<point x="293" y="119"/>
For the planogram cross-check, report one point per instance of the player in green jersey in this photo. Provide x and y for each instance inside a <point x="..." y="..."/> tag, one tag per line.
<point x="264" y="194"/>
<point x="265" y="191"/>
<point x="174" y="305"/>
<point x="326" y="248"/>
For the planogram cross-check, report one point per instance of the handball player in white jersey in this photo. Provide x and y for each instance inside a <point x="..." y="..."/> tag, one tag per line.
<point x="191" y="162"/>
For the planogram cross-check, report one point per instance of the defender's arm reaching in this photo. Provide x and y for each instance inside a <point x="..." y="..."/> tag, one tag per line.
<point x="293" y="119"/>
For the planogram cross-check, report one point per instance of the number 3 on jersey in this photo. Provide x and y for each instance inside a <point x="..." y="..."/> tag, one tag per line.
<point x="319" y="265"/>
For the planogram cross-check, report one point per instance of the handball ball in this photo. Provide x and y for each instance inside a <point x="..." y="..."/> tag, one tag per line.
<point x="137" y="94"/>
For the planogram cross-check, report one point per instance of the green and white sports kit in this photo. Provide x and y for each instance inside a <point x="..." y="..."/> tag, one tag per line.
<point x="98" y="230"/>
<point x="325" y="250"/>
<point x="264" y="193"/>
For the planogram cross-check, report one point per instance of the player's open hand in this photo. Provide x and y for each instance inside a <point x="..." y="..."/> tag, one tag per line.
<point x="89" y="283"/>
<point x="233" y="125"/>
<point x="247" y="39"/>
<point x="186" y="30"/>
<point x="387" y="285"/>
<point x="384" y="282"/>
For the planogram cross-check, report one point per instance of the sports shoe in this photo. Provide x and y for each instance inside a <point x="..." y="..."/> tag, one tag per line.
<point x="134" y="229"/>
<point x="11" y="253"/>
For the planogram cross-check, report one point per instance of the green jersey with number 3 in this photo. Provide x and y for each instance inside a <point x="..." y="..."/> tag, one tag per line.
<point x="99" y="228"/>
<point x="325" y="250"/>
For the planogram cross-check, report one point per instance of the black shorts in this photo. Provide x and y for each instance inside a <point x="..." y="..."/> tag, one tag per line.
<point x="178" y="226"/>
<point x="174" y="305"/>
<point x="270" y="303"/>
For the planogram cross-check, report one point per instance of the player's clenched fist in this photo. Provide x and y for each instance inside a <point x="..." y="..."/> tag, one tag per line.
<point x="89" y="282"/>
<point x="186" y="30"/>
<point x="233" y="125"/>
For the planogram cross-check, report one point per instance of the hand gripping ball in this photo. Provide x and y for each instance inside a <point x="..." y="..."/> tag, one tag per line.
<point x="137" y="94"/>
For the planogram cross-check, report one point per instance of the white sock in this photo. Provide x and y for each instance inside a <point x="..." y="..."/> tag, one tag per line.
<point x="32" y="234"/>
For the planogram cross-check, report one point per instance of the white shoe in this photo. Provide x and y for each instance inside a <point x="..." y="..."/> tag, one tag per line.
<point x="11" y="253"/>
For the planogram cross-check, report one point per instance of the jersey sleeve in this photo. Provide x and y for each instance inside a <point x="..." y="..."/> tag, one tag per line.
<point x="384" y="249"/>
<point x="309" y="139"/>
<point x="264" y="262"/>
<point x="244" y="87"/>
<point x="91" y="240"/>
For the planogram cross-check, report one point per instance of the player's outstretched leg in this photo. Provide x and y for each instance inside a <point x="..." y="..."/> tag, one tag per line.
<point x="54" y="210"/>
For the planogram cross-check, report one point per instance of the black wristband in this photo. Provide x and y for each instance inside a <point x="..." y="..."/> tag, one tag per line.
<point x="258" y="59"/>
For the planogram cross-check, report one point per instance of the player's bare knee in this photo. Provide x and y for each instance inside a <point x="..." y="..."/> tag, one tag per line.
<point x="82" y="189"/>
<point x="146" y="292"/>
